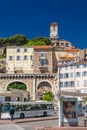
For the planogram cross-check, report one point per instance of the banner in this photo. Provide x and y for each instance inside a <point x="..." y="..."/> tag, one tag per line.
<point x="69" y="111"/>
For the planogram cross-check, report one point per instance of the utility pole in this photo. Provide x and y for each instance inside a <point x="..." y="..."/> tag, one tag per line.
<point x="59" y="103"/>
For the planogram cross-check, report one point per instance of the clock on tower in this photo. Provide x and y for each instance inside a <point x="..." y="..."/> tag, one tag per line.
<point x="54" y="31"/>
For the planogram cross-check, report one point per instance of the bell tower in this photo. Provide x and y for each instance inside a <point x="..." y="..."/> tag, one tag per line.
<point x="54" y="32"/>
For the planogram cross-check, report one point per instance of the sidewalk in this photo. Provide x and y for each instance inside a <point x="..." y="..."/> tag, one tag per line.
<point x="61" y="128"/>
<point x="27" y="120"/>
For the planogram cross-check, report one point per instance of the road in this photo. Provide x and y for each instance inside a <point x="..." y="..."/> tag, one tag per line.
<point x="47" y="123"/>
<point x="33" y="125"/>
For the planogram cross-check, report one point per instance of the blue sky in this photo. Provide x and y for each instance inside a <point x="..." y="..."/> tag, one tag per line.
<point x="33" y="18"/>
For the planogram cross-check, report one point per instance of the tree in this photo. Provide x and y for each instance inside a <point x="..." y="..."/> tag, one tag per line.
<point x="16" y="85"/>
<point x="1" y="42"/>
<point x="48" y="96"/>
<point x="39" y="41"/>
<point x="18" y="39"/>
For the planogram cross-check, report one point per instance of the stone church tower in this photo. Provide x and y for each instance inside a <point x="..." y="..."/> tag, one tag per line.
<point x="54" y="33"/>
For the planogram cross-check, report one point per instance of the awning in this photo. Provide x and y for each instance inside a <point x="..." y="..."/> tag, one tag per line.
<point x="67" y="93"/>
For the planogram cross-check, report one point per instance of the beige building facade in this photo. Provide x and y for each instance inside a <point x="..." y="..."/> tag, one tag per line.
<point x="19" y="59"/>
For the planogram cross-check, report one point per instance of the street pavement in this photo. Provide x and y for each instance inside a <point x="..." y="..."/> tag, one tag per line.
<point x="13" y="125"/>
<point x="10" y="127"/>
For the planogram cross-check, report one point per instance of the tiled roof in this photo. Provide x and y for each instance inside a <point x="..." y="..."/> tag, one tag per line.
<point x="43" y="47"/>
<point x="73" y="49"/>
<point x="67" y="58"/>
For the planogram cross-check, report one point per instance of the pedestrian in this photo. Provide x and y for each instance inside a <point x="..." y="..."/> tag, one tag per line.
<point x="12" y="113"/>
<point x="0" y="110"/>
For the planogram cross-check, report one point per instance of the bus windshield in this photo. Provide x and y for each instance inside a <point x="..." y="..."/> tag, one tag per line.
<point x="5" y="107"/>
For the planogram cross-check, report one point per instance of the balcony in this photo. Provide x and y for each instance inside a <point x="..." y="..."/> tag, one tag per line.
<point x="43" y="67"/>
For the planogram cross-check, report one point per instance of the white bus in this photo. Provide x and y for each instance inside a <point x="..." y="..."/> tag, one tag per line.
<point x="27" y="109"/>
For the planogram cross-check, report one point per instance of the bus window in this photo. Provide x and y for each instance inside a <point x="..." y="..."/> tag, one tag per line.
<point x="33" y="108"/>
<point x="49" y="106"/>
<point x="44" y="106"/>
<point x="38" y="107"/>
<point x="5" y="107"/>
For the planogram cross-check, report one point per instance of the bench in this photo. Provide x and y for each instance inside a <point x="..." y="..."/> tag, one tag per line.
<point x="85" y="120"/>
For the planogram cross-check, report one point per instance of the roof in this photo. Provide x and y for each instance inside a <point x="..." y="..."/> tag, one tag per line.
<point x="73" y="63"/>
<point x="43" y="47"/>
<point x="54" y="23"/>
<point x="73" y="49"/>
<point x="67" y="58"/>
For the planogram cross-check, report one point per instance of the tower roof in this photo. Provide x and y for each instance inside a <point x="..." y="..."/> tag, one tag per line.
<point x="53" y="23"/>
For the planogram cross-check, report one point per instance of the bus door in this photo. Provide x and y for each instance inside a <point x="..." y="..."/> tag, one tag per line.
<point x="32" y="111"/>
<point x="39" y="111"/>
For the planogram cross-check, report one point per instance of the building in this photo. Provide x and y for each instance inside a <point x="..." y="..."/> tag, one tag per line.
<point x="19" y="59"/>
<point x="43" y="59"/>
<point x="73" y="76"/>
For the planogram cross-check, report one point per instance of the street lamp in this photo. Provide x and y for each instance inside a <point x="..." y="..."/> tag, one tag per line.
<point x="59" y="102"/>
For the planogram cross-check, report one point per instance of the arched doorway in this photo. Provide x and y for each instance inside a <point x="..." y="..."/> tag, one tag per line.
<point x="42" y="88"/>
<point x="18" y="91"/>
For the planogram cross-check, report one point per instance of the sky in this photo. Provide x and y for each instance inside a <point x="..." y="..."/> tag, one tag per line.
<point x="32" y="18"/>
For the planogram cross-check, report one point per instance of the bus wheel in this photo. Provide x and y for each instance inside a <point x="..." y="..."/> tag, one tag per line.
<point x="22" y="116"/>
<point x="45" y="114"/>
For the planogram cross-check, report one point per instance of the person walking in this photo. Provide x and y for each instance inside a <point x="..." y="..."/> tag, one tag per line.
<point x="12" y="113"/>
<point x="0" y="110"/>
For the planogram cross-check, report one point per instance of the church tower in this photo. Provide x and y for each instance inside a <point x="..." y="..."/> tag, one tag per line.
<point x="54" y="32"/>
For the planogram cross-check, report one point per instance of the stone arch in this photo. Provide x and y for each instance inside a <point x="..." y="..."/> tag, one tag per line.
<point x="15" y="81"/>
<point x="43" y="81"/>
<point x="43" y="87"/>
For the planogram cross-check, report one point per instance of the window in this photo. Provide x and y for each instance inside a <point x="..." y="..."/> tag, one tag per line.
<point x="25" y="57"/>
<point x="78" y="66"/>
<point x="61" y="84"/>
<point x="10" y="58"/>
<point x="62" y="44"/>
<point x="18" y="58"/>
<point x="31" y="57"/>
<point x="66" y="84"/>
<point x="61" y="76"/>
<point x="18" y="50"/>
<point x="7" y="98"/>
<point x="78" y="74"/>
<point x="66" y="75"/>
<point x="85" y="83"/>
<point x="67" y="44"/>
<point x="78" y="83"/>
<point x="42" y="55"/>
<point x="25" y="49"/>
<point x="85" y="65"/>
<point x="72" y="84"/>
<point x="84" y="73"/>
<point x="71" y="75"/>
